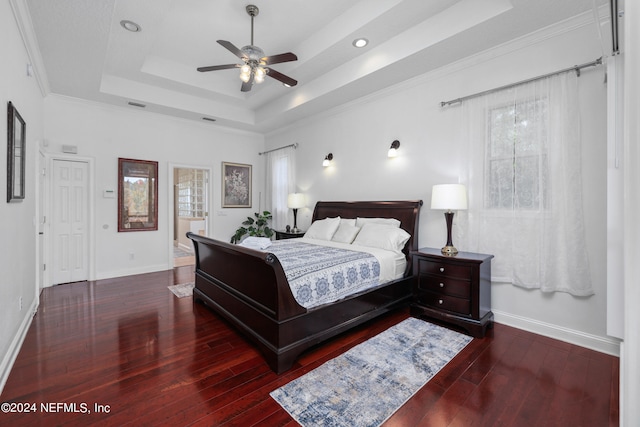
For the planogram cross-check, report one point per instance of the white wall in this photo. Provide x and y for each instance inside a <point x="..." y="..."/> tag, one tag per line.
<point x="17" y="229"/>
<point x="630" y="353"/>
<point x="104" y="133"/>
<point x="431" y="152"/>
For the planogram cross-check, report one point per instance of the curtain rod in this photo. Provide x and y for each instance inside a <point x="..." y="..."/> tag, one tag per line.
<point x="575" y="68"/>
<point x="294" y="145"/>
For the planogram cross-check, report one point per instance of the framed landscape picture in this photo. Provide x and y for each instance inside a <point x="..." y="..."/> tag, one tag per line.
<point x="236" y="185"/>
<point x="137" y="195"/>
<point x="16" y="153"/>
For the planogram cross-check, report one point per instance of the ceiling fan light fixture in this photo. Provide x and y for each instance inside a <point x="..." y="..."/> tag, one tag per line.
<point x="258" y="74"/>
<point x="245" y="77"/>
<point x="360" y="42"/>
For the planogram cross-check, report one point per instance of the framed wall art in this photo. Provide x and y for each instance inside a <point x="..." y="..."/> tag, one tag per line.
<point x="236" y="185"/>
<point x="16" y="154"/>
<point x="137" y="195"/>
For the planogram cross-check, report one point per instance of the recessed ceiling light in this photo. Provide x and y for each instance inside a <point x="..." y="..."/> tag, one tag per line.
<point x="361" y="42"/>
<point x="286" y="85"/>
<point x="130" y="26"/>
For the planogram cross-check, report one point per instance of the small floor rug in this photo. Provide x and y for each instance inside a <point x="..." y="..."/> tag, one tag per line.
<point x="179" y="252"/>
<point x="371" y="381"/>
<point x="182" y="290"/>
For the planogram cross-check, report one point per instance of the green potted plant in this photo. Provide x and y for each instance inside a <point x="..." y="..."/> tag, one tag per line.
<point x="258" y="227"/>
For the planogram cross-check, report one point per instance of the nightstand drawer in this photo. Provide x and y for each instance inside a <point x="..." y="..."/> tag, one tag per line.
<point x="446" y="302"/>
<point x="442" y="269"/>
<point x="446" y="286"/>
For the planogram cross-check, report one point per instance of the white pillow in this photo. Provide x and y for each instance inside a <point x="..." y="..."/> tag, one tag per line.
<point x="360" y="222"/>
<point x="323" y="229"/>
<point x="348" y="221"/>
<point x="345" y="233"/>
<point x="382" y="236"/>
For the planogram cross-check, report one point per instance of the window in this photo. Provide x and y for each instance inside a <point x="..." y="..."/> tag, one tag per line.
<point x="517" y="161"/>
<point x="280" y="181"/>
<point x="524" y="185"/>
<point x="191" y="193"/>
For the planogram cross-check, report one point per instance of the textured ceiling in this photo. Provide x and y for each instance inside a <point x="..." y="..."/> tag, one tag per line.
<point x="87" y="54"/>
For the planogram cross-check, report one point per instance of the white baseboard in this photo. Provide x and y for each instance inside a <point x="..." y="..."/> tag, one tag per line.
<point x="16" y="344"/>
<point x="187" y="248"/>
<point x="606" y="345"/>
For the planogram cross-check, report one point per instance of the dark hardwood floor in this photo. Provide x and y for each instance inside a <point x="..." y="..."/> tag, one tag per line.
<point x="150" y="358"/>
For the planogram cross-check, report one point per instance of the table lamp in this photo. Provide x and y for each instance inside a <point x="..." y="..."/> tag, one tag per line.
<point x="295" y="201"/>
<point x="449" y="197"/>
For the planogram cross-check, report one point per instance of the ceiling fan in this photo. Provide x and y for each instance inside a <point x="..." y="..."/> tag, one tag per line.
<point x="254" y="69"/>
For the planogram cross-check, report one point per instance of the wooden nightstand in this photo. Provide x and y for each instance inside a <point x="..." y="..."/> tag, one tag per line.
<point x="281" y="235"/>
<point x="454" y="289"/>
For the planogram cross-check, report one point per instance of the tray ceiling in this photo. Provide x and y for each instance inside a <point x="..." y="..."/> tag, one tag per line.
<point x="87" y="54"/>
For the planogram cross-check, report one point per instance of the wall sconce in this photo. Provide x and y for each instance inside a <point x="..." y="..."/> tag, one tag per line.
<point x="393" y="150"/>
<point x="327" y="160"/>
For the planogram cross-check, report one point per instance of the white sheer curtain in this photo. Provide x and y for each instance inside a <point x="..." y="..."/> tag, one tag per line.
<point x="525" y="186"/>
<point x="280" y="181"/>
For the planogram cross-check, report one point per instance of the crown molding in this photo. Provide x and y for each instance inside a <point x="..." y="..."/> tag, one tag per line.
<point x="27" y="32"/>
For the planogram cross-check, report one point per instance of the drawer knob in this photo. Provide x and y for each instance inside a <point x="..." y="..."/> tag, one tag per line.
<point x="439" y="301"/>
<point x="442" y="285"/>
<point x="441" y="269"/>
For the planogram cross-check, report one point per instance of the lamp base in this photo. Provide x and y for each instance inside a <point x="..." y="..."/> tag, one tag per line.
<point x="449" y="251"/>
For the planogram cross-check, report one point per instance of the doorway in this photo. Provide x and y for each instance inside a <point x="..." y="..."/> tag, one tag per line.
<point x="190" y="211"/>
<point x="69" y="221"/>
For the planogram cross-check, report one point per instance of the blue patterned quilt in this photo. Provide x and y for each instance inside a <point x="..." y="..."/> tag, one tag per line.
<point x="321" y="274"/>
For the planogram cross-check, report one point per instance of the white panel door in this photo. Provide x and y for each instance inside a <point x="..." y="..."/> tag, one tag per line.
<point x="70" y="221"/>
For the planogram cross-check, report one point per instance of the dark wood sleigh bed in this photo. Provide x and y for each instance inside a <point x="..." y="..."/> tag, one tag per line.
<point x="250" y="290"/>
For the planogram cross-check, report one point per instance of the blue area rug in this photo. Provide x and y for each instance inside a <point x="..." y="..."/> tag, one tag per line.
<point x="371" y="381"/>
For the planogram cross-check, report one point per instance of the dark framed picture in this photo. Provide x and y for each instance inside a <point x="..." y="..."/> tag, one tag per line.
<point x="137" y="195"/>
<point x="16" y="154"/>
<point x="236" y="185"/>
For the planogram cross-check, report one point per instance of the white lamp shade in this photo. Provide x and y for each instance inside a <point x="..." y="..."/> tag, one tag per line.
<point x="449" y="197"/>
<point x="295" y="201"/>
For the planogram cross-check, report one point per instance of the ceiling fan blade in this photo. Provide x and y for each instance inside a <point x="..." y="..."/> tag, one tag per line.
<point x="218" y="67"/>
<point x="276" y="59"/>
<point x="281" y="77"/>
<point x="246" y="87"/>
<point x="232" y="48"/>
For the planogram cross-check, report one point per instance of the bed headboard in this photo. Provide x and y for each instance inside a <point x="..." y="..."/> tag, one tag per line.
<point x="407" y="211"/>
